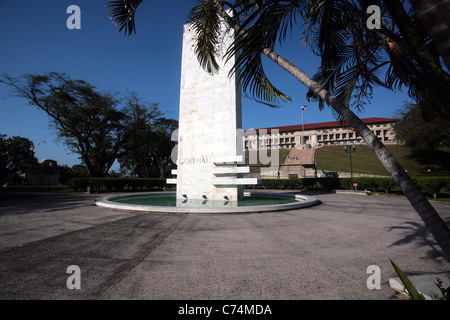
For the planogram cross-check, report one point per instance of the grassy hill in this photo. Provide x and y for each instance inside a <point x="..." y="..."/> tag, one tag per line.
<point x="334" y="158"/>
<point x="254" y="154"/>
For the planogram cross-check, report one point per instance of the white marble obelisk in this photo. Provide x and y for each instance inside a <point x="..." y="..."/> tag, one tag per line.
<point x="210" y="126"/>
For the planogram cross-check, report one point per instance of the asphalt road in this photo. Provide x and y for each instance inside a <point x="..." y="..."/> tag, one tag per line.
<point x="322" y="252"/>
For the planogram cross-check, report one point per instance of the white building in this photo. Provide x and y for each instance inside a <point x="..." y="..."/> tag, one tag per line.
<point x="316" y="134"/>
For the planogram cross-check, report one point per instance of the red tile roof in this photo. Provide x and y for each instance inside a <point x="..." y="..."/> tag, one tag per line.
<point x="321" y="125"/>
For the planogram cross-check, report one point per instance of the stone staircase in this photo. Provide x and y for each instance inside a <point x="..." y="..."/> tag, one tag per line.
<point x="300" y="162"/>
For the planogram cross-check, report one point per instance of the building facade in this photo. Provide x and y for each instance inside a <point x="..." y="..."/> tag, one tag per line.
<point x="316" y="134"/>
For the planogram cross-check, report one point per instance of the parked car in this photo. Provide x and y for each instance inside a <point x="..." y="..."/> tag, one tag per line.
<point x="8" y="184"/>
<point x="331" y="174"/>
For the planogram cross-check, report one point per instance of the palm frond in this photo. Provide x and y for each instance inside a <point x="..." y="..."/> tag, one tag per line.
<point x="351" y="56"/>
<point x="205" y="21"/>
<point x="276" y="17"/>
<point x="255" y="82"/>
<point x="264" y="24"/>
<point x="122" y="13"/>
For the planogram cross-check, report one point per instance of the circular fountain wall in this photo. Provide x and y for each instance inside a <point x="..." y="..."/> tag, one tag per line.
<point x="165" y="202"/>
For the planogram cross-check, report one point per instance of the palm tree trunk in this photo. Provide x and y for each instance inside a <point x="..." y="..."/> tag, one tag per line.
<point x="419" y="202"/>
<point x="430" y="217"/>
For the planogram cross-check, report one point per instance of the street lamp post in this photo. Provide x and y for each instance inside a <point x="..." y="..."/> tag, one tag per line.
<point x="348" y="149"/>
<point x="50" y="165"/>
<point x="303" y="128"/>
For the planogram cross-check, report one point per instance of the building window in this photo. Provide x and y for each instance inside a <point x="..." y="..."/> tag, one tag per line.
<point x="386" y="137"/>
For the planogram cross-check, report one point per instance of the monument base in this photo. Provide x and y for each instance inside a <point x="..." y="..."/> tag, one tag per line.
<point x="215" y="180"/>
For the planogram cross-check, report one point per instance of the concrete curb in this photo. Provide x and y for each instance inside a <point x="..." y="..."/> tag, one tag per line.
<point x="357" y="192"/>
<point x="303" y="201"/>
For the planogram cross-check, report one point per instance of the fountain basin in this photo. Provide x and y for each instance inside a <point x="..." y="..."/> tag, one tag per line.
<point x="165" y="202"/>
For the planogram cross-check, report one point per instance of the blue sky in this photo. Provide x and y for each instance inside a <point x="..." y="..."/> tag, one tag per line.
<point x="34" y="39"/>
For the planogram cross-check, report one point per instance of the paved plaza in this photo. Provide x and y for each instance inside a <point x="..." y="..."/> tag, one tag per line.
<point x="321" y="252"/>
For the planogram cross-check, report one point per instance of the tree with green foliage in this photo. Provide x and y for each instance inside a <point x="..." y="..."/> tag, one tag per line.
<point x="429" y="139"/>
<point x="419" y="134"/>
<point x="96" y="125"/>
<point x="3" y="156"/>
<point x="260" y="25"/>
<point x="151" y="159"/>
<point x="16" y="156"/>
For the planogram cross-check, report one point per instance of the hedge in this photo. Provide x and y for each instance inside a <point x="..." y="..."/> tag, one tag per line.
<point x="368" y="183"/>
<point x="116" y="184"/>
<point x="433" y="186"/>
<point x="430" y="186"/>
<point x="300" y="183"/>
